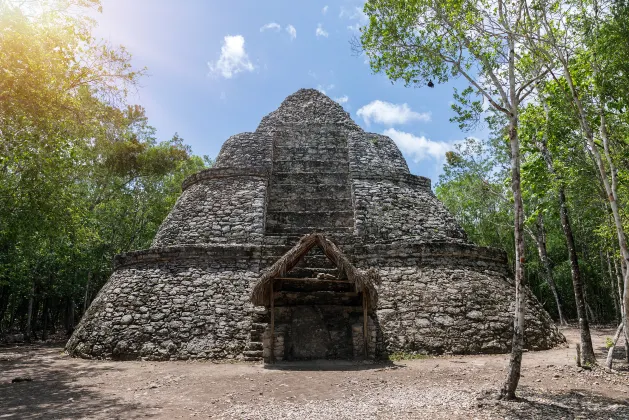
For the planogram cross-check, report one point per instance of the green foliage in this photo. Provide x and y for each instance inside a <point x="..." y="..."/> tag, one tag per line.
<point x="82" y="176"/>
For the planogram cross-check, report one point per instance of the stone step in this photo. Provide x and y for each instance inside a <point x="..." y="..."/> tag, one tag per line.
<point x="310" y="218"/>
<point x="310" y="272"/>
<point x="332" y="231"/>
<point x="308" y="285"/>
<point x="279" y="244"/>
<point x="254" y="346"/>
<point x="310" y="178"/>
<point x="308" y="165"/>
<point x="293" y="152"/>
<point x="287" y="190"/>
<point x="309" y="141"/>
<point x="301" y="203"/>
<point x="258" y="326"/>
<point x="283" y="298"/>
<point x="252" y="355"/>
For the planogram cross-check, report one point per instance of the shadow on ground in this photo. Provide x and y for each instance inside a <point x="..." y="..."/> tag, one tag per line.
<point x="573" y="404"/>
<point x="53" y="392"/>
<point x="331" y="365"/>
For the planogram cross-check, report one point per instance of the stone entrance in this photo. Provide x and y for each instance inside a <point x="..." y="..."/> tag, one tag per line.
<point x="318" y="305"/>
<point x="315" y="319"/>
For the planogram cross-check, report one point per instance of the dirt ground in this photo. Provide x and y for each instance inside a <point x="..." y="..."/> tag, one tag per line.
<point x="450" y="387"/>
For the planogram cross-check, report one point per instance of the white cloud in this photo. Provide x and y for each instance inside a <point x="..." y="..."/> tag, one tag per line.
<point x="390" y="114"/>
<point x="418" y="148"/>
<point x="291" y="31"/>
<point x="233" y="58"/>
<point x="323" y="89"/>
<point x="271" y="26"/>
<point x="356" y="15"/>
<point x="312" y="74"/>
<point x="320" y="31"/>
<point x="223" y="96"/>
<point x="342" y="99"/>
<point x="325" y="9"/>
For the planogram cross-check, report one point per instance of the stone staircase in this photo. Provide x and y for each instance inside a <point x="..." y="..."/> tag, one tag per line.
<point x="310" y="186"/>
<point x="309" y="191"/>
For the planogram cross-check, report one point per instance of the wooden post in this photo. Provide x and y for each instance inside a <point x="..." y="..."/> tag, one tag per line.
<point x="272" y="354"/>
<point x="365" y="333"/>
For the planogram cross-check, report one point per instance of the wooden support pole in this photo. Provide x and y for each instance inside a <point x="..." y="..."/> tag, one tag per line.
<point x="272" y="354"/>
<point x="365" y="332"/>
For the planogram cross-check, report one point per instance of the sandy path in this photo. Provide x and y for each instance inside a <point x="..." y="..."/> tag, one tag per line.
<point x="435" y="388"/>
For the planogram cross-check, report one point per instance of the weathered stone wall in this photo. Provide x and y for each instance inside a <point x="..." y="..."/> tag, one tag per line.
<point x="386" y="210"/>
<point x="449" y="297"/>
<point x="192" y="307"/>
<point x="245" y="150"/>
<point x="217" y="210"/>
<point x="375" y="154"/>
<point x="454" y="310"/>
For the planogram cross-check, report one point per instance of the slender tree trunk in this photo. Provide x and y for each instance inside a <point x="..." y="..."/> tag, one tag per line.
<point x="540" y="241"/>
<point x="87" y="292"/>
<point x="619" y="272"/>
<point x="70" y="317"/>
<point x="609" y="190"/>
<point x="610" y="353"/>
<point x="613" y="203"/>
<point x="586" y="339"/>
<point x="29" y="313"/>
<point x="515" y="362"/>
<point x="615" y="296"/>
<point x="44" y="334"/>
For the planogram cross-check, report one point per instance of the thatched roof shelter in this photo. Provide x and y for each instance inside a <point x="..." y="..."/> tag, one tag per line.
<point x="363" y="280"/>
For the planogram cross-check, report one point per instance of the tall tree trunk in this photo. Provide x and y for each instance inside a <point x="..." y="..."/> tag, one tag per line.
<point x="515" y="362"/>
<point x="615" y="296"/>
<point x="613" y="203"/>
<point x="610" y="352"/>
<point x="70" y="316"/>
<point x="619" y="273"/>
<point x="586" y="340"/>
<point x="540" y="240"/>
<point x="87" y="292"/>
<point x="609" y="188"/>
<point x="44" y="334"/>
<point x="29" y="313"/>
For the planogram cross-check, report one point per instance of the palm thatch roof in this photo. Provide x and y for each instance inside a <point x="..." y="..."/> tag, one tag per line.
<point x="363" y="280"/>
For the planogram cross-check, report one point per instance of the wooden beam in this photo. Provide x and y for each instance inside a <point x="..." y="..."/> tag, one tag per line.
<point x="272" y="354"/>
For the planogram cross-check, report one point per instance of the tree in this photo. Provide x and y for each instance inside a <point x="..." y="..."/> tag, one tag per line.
<point x="539" y="129"/>
<point x="420" y="41"/>
<point x="571" y="39"/>
<point x="82" y="174"/>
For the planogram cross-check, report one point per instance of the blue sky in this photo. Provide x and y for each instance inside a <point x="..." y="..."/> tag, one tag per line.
<point x="217" y="67"/>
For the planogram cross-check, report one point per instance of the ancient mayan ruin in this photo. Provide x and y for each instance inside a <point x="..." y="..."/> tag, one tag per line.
<point x="309" y="238"/>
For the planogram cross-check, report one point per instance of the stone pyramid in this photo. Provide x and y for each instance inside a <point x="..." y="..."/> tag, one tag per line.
<point x="307" y="168"/>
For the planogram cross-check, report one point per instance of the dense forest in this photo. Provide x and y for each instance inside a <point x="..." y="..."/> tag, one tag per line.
<point x="82" y="175"/>
<point x="550" y="81"/>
